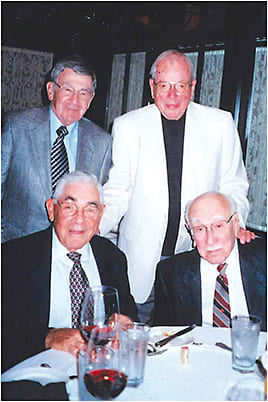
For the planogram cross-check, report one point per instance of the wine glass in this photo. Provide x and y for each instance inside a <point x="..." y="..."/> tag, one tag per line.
<point x="100" y="307"/>
<point x="101" y="373"/>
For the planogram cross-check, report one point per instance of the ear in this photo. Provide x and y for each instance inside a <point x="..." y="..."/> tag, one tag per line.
<point x="151" y="84"/>
<point x="190" y="233"/>
<point x="236" y="223"/>
<point x="193" y="88"/>
<point x="91" y="99"/>
<point x="50" y="90"/>
<point x="50" y="209"/>
<point x="101" y="214"/>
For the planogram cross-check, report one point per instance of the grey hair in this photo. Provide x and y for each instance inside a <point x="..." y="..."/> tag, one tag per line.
<point x="77" y="177"/>
<point x="167" y="53"/>
<point x="232" y="204"/>
<point x="78" y="65"/>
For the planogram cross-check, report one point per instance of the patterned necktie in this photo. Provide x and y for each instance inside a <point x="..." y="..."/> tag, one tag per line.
<point x="59" y="158"/>
<point x="221" y="308"/>
<point x="78" y="287"/>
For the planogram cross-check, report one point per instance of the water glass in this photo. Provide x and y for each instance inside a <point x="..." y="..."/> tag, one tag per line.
<point x="133" y="351"/>
<point x="248" y="389"/>
<point x="245" y="335"/>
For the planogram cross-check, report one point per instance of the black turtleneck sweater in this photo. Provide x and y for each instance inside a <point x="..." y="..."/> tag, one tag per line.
<point x="173" y="131"/>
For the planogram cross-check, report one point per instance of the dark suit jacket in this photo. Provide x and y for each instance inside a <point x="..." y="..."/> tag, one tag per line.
<point x="26" y="269"/>
<point x="178" y="285"/>
<point x="25" y="167"/>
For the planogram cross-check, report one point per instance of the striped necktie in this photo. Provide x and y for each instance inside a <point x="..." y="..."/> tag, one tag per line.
<point x="59" y="158"/>
<point x="78" y="287"/>
<point x="221" y="307"/>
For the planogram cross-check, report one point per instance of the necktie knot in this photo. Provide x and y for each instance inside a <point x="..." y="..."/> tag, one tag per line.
<point x="221" y="268"/>
<point x="74" y="256"/>
<point x="62" y="131"/>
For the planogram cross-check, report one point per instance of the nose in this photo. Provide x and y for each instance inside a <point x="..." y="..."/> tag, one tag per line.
<point x="75" y="97"/>
<point x="79" y="215"/>
<point x="210" y="236"/>
<point x="172" y="91"/>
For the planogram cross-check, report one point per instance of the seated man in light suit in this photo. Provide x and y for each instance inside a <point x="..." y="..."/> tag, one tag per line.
<point x="36" y="302"/>
<point x="185" y="283"/>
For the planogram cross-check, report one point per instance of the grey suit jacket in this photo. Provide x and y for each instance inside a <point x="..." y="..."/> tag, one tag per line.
<point x="25" y="169"/>
<point x="178" y="285"/>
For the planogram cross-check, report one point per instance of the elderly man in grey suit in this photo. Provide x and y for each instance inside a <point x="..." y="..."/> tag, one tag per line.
<point x="40" y="145"/>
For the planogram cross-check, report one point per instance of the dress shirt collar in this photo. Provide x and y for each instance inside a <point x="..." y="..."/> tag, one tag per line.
<point x="60" y="252"/>
<point x="209" y="274"/>
<point x="55" y="124"/>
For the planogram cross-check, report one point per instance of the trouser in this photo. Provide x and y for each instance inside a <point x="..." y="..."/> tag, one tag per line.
<point x="145" y="310"/>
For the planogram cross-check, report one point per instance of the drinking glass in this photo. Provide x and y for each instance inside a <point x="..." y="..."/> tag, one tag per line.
<point x="245" y="335"/>
<point x="133" y="348"/>
<point x="100" y="372"/>
<point x="250" y="389"/>
<point x="100" y="307"/>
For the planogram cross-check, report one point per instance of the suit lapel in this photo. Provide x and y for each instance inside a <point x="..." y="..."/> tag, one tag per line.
<point x="39" y="133"/>
<point x="188" y="287"/>
<point x="85" y="146"/>
<point x="191" y="296"/>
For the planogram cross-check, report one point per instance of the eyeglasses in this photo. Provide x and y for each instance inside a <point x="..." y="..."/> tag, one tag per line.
<point x="180" y="86"/>
<point x="68" y="91"/>
<point x="217" y="228"/>
<point x="69" y="209"/>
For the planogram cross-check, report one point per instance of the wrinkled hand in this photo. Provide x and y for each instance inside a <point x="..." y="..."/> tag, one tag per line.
<point x="245" y="236"/>
<point x="123" y="320"/>
<point x="65" y="339"/>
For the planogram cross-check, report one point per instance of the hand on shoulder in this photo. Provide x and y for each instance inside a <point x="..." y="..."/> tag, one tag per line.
<point x="245" y="236"/>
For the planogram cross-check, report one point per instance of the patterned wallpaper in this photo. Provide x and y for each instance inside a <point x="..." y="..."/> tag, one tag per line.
<point x="23" y="77"/>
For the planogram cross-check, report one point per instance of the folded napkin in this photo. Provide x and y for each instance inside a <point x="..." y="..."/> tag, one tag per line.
<point x="62" y="364"/>
<point x="33" y="391"/>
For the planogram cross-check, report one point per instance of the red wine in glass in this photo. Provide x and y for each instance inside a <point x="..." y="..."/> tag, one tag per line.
<point x="86" y="331"/>
<point x="102" y="335"/>
<point x="105" y="383"/>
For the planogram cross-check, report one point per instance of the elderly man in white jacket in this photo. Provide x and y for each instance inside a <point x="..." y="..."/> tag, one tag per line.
<point x="164" y="155"/>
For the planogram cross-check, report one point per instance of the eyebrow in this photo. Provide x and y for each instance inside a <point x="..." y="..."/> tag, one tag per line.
<point x="70" y="198"/>
<point x="218" y="217"/>
<point x="70" y="85"/>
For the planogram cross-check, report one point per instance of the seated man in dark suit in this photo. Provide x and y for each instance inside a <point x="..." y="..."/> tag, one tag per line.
<point x="185" y="283"/>
<point x="36" y="302"/>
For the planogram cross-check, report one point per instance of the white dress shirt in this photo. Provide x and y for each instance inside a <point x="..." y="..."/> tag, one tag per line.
<point x="237" y="297"/>
<point x="61" y="265"/>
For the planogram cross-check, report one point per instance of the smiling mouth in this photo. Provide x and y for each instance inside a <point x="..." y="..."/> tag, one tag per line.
<point x="76" y="232"/>
<point x="215" y="250"/>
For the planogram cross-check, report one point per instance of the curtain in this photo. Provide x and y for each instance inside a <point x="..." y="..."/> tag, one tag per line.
<point x="116" y="88"/>
<point x="193" y="57"/>
<point x="23" y="77"/>
<point x="210" y="93"/>
<point x="136" y="81"/>
<point x="256" y="162"/>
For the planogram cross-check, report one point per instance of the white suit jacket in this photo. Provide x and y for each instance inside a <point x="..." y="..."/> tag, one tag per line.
<point x="137" y="188"/>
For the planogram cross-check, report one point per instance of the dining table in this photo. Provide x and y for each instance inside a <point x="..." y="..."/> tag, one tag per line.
<point x="206" y="374"/>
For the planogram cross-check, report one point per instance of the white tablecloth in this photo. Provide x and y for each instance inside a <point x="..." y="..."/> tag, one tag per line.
<point x="208" y="376"/>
